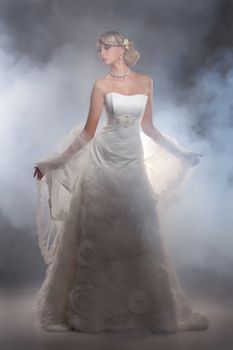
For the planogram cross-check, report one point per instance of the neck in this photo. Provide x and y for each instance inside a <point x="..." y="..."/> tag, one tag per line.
<point x="119" y="68"/>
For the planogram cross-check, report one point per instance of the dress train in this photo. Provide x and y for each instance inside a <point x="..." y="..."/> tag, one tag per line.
<point x="108" y="266"/>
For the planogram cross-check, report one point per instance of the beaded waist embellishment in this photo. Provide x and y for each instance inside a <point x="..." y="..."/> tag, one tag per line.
<point x="125" y="120"/>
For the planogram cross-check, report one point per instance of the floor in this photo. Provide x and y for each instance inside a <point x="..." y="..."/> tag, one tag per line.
<point x="19" y="329"/>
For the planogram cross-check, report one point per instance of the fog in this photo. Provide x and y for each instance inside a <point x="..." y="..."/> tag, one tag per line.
<point x="48" y="63"/>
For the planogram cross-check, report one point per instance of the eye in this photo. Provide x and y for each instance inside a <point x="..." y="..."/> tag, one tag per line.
<point x="106" y="47"/>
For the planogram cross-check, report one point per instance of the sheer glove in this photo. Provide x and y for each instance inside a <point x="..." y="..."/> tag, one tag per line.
<point x="56" y="162"/>
<point x="172" y="146"/>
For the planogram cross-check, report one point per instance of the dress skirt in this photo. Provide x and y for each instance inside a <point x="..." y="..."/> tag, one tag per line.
<point x="108" y="267"/>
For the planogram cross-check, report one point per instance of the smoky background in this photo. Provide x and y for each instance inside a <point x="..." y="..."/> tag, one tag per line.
<point x="48" y="63"/>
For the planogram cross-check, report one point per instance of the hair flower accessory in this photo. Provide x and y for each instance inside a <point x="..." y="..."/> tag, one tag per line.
<point x="126" y="43"/>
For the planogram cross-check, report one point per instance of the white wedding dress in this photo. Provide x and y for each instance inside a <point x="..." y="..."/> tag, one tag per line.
<point x="108" y="266"/>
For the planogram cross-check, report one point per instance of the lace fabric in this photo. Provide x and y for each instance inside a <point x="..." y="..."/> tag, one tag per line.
<point x="100" y="235"/>
<point x="60" y="159"/>
<point x="55" y="190"/>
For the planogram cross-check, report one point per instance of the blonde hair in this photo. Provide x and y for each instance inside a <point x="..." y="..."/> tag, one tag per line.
<point x="130" y="55"/>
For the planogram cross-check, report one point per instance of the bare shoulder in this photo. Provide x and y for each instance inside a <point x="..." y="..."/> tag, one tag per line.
<point x="100" y="84"/>
<point x="144" y="80"/>
<point x="105" y="83"/>
<point x="142" y="76"/>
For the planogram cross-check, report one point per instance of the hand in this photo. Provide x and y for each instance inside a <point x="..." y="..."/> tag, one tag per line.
<point x="193" y="157"/>
<point x="38" y="173"/>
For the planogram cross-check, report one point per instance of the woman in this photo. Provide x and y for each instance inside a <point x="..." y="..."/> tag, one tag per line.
<point x="108" y="266"/>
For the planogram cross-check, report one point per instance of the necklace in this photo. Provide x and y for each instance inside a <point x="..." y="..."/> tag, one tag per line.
<point x="119" y="75"/>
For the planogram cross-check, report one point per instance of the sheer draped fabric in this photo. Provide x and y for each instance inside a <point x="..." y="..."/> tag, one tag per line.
<point x="99" y="230"/>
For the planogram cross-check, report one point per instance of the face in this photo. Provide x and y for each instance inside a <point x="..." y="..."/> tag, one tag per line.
<point x="109" y="54"/>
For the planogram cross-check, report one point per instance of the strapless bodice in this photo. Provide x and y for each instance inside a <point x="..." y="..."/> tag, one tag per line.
<point x="125" y="110"/>
<point x="119" y="142"/>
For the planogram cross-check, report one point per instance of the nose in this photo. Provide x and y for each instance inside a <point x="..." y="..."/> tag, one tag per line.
<point x="101" y="51"/>
<point x="102" y="54"/>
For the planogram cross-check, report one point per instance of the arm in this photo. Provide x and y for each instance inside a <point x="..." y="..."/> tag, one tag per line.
<point x="95" y="110"/>
<point x="167" y="143"/>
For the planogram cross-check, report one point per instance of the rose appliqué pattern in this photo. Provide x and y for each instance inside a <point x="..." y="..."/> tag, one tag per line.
<point x="83" y="298"/>
<point x="138" y="302"/>
<point x="110" y="270"/>
<point x="87" y="253"/>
